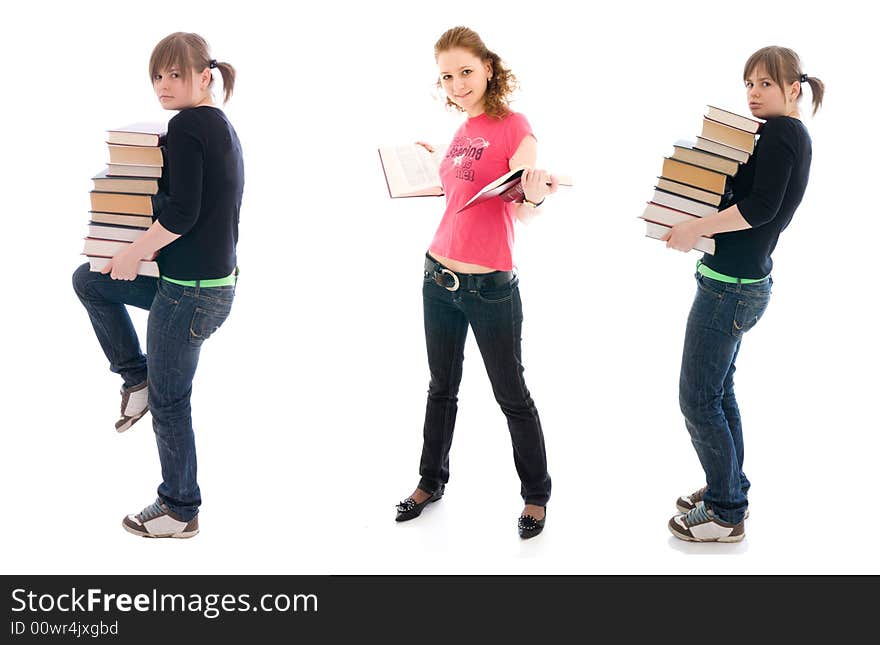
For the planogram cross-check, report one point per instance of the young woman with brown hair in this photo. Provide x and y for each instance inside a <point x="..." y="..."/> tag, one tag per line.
<point x="195" y="234"/>
<point x="733" y="289"/>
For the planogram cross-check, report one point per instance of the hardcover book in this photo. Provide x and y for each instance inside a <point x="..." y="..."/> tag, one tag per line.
<point x="121" y="203"/>
<point x="138" y="134"/>
<point x="687" y="152"/>
<point x="733" y="137"/>
<point x="733" y="119"/>
<point x="121" y="219"/>
<point x="135" y="155"/>
<point x="680" y="203"/>
<point x="106" y="183"/>
<point x="133" y="170"/>
<point x="115" y="232"/>
<point x="688" y="191"/>
<point x="695" y="176"/>
<point x="104" y="248"/>
<point x="657" y="231"/>
<point x="96" y="263"/>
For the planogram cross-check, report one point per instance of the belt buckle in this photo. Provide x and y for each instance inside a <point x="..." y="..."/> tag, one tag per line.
<point x="442" y="283"/>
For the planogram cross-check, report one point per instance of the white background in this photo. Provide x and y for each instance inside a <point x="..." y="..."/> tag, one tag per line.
<point x="308" y="403"/>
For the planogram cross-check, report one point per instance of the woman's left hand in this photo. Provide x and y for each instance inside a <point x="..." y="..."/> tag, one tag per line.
<point x="682" y="237"/>
<point x="123" y="266"/>
<point x="537" y="184"/>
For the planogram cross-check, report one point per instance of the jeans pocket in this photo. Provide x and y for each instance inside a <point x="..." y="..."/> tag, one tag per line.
<point x="710" y="286"/>
<point x="205" y="322"/>
<point x="748" y="313"/>
<point x="495" y="295"/>
<point x="168" y="291"/>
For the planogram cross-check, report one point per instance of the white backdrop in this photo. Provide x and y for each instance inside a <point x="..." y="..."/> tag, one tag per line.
<point x="308" y="403"/>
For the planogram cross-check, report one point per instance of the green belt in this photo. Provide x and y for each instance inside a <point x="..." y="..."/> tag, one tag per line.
<point x="709" y="273"/>
<point x="214" y="282"/>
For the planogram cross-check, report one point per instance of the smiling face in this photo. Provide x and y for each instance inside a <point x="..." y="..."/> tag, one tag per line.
<point x="178" y="90"/>
<point x="464" y="77"/>
<point x="767" y="98"/>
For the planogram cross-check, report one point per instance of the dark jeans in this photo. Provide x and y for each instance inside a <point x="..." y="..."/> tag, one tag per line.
<point x="181" y="319"/>
<point x="496" y="317"/>
<point x="722" y="312"/>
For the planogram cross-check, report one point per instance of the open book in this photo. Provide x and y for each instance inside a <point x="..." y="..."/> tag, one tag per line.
<point x="509" y="188"/>
<point x="411" y="171"/>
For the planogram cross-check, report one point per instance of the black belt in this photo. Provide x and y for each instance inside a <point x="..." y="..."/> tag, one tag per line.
<point x="468" y="281"/>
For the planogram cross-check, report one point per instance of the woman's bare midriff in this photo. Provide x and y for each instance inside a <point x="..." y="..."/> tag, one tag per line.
<point x="461" y="267"/>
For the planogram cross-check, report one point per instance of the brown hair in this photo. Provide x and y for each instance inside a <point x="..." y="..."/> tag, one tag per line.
<point x="189" y="53"/>
<point x="784" y="67"/>
<point x="503" y="82"/>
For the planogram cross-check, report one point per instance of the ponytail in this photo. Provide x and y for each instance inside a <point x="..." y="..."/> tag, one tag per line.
<point x="227" y="73"/>
<point x="817" y="89"/>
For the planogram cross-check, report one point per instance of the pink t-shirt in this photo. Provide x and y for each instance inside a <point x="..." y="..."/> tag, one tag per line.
<point x="479" y="153"/>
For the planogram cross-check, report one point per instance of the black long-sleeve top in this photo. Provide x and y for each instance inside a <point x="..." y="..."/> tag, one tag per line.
<point x="767" y="190"/>
<point x="203" y="179"/>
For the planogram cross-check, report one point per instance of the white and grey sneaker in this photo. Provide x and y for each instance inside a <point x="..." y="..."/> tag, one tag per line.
<point x="702" y="525"/>
<point x="157" y="521"/>
<point x="134" y="405"/>
<point x="687" y="503"/>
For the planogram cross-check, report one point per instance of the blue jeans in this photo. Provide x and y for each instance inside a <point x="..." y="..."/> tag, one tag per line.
<point x="181" y="319"/>
<point x="722" y="312"/>
<point x="496" y="317"/>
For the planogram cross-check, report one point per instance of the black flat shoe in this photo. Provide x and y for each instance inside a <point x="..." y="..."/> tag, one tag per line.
<point x="529" y="527"/>
<point x="408" y="509"/>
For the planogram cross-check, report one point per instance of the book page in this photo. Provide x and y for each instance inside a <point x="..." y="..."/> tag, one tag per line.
<point x="411" y="168"/>
<point x="419" y="166"/>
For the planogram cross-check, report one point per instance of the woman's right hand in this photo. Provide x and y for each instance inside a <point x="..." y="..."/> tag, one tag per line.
<point x="426" y="146"/>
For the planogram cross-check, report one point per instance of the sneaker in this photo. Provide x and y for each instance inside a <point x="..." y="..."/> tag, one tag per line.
<point x="687" y="503"/>
<point x="157" y="521"/>
<point x="134" y="406"/>
<point x="702" y="525"/>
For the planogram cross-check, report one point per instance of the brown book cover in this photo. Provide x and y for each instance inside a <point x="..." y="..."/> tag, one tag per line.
<point x="105" y="183"/>
<point x="685" y="151"/>
<point x="135" y="155"/>
<point x="688" y="191"/>
<point x="695" y="176"/>
<point x="121" y="219"/>
<point x="138" y="134"/>
<point x="732" y="137"/>
<point x="121" y="203"/>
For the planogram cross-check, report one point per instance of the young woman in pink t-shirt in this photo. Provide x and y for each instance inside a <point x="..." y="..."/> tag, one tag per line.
<point x="469" y="279"/>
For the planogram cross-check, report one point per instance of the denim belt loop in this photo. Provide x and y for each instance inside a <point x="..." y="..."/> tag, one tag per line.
<point x="198" y="287"/>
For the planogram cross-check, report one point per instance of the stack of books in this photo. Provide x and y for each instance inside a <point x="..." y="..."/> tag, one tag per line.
<point x="122" y="198"/>
<point x="694" y="178"/>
